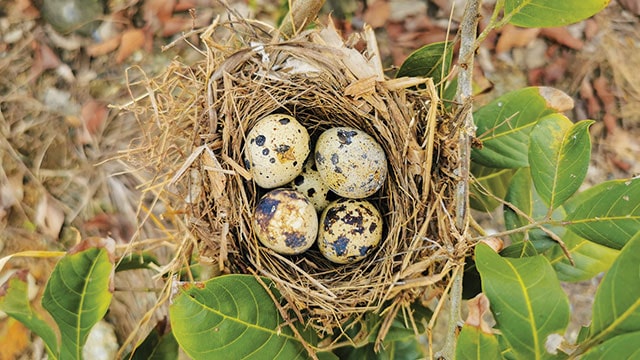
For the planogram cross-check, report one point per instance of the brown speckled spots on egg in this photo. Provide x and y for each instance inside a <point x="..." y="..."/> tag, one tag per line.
<point x="277" y="145"/>
<point x="310" y="183"/>
<point x="349" y="230"/>
<point x="346" y="136"/>
<point x="357" y="166"/>
<point x="265" y="210"/>
<point x="319" y="158"/>
<point x="285" y="221"/>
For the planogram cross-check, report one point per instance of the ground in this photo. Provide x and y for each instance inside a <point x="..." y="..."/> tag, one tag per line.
<point x="63" y="81"/>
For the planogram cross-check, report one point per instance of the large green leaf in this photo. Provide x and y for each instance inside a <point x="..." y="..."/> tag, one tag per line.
<point x="551" y="13"/>
<point x="620" y="347"/>
<point x="559" y="154"/>
<point x="158" y="345"/>
<point x="231" y="316"/>
<point x="608" y="213"/>
<point x="406" y="349"/>
<point x="474" y="344"/>
<point x="523" y="196"/>
<point x="526" y="300"/>
<point x="78" y="295"/>
<point x="488" y="184"/>
<point x="616" y="306"/>
<point x="504" y="125"/>
<point x="433" y="60"/>
<point x="590" y="258"/>
<point x="477" y="340"/>
<point x="15" y="302"/>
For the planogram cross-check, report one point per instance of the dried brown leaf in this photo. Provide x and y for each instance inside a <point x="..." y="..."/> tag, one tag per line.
<point x="132" y="40"/>
<point x="513" y="36"/>
<point x="478" y="309"/>
<point x="377" y="14"/>
<point x="562" y="36"/>
<point x="104" y="47"/>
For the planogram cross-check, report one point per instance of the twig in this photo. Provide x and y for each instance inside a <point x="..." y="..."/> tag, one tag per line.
<point x="301" y="13"/>
<point x="468" y="32"/>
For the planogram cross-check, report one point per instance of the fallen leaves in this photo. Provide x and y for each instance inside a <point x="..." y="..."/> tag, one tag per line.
<point x="513" y="36"/>
<point x="131" y="40"/>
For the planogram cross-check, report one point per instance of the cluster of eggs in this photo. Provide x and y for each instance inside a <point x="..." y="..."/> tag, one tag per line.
<point x="346" y="162"/>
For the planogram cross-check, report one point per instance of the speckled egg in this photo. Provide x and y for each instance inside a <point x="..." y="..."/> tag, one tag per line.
<point x="285" y="221"/>
<point x="310" y="183"/>
<point x="276" y="149"/>
<point x="351" y="162"/>
<point x="349" y="230"/>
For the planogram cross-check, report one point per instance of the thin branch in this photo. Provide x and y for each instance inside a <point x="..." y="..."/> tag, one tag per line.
<point x="468" y="31"/>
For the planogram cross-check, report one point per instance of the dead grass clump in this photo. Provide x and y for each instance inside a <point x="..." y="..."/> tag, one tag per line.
<point x="195" y="118"/>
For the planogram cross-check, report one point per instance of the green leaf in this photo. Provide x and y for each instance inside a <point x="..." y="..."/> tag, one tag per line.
<point x="158" y="345"/>
<point x="488" y="184"/>
<point x="525" y="198"/>
<point x="504" y="125"/>
<point x="551" y="13"/>
<point x="408" y="348"/>
<point x="474" y="344"/>
<point x="620" y="347"/>
<point x="616" y="306"/>
<point x="231" y="314"/>
<point x="15" y="303"/>
<point x="137" y="261"/>
<point x="520" y="195"/>
<point x="559" y="154"/>
<point x="433" y="60"/>
<point x="78" y="295"/>
<point x="590" y="258"/>
<point x="526" y="300"/>
<point x="608" y="213"/>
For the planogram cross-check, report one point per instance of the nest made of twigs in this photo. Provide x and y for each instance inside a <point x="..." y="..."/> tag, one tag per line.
<point x="195" y="119"/>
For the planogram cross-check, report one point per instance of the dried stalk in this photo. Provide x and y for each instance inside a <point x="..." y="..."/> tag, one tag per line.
<point x="301" y="13"/>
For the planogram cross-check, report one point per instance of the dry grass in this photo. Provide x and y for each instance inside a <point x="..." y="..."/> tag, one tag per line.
<point x="195" y="117"/>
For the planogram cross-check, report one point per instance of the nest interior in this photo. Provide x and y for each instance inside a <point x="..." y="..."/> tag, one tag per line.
<point x="195" y="118"/>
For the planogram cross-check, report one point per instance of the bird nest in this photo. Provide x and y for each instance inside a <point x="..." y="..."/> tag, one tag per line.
<point x="195" y="118"/>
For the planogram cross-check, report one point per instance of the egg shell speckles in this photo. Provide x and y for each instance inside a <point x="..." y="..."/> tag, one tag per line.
<point x="351" y="162"/>
<point x="310" y="183"/>
<point x="285" y="221"/>
<point x="276" y="149"/>
<point x="349" y="230"/>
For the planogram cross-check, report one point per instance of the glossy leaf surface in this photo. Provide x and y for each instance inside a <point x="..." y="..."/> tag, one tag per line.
<point x="504" y="125"/>
<point x="524" y="197"/>
<point x="620" y="347"/>
<point x="559" y="154"/>
<point x="608" y="213"/>
<point x="433" y="60"/>
<point x="488" y="184"/>
<point x="590" y="258"/>
<point x="78" y="295"/>
<point x="473" y="344"/>
<point x="616" y="306"/>
<point x="231" y="315"/>
<point x="15" y="303"/>
<point x="526" y="300"/>
<point x="551" y="13"/>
